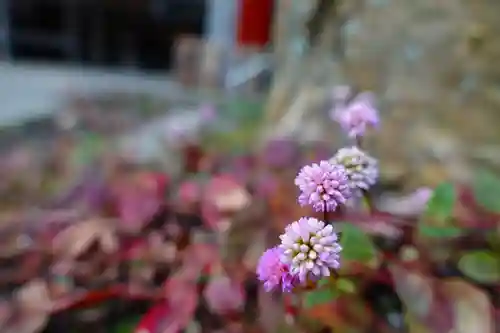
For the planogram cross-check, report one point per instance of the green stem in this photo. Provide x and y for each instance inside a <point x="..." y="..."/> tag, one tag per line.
<point x="359" y="142"/>
<point x="369" y="201"/>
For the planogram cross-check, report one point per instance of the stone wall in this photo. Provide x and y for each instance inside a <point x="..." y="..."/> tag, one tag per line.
<point x="431" y="62"/>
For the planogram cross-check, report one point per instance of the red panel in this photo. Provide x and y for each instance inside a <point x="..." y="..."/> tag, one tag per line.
<point x="254" y="22"/>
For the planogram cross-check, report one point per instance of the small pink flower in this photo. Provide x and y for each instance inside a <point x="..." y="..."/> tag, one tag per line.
<point x="357" y="115"/>
<point x="273" y="273"/>
<point x="325" y="186"/>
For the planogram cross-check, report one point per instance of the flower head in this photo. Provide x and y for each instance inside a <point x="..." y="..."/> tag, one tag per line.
<point x="362" y="169"/>
<point x="311" y="249"/>
<point x="324" y="186"/>
<point x="273" y="273"/>
<point x="357" y="115"/>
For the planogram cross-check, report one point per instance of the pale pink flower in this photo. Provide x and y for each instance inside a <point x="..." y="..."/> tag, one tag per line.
<point x="310" y="248"/>
<point x="325" y="186"/>
<point x="362" y="169"/>
<point x="356" y="116"/>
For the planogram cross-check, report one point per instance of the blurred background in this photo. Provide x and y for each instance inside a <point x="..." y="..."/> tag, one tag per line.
<point x="99" y="95"/>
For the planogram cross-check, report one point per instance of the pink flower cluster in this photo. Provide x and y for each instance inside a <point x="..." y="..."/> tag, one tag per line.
<point x="309" y="248"/>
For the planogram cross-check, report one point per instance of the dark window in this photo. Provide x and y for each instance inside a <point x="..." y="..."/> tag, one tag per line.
<point x="133" y="33"/>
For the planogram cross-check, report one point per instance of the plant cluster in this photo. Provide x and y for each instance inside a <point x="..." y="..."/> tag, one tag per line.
<point x="189" y="248"/>
<point x="360" y="269"/>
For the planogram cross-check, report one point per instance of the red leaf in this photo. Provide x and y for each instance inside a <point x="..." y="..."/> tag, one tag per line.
<point x="183" y="298"/>
<point x="224" y="296"/>
<point x="470" y="215"/>
<point x="91" y="298"/>
<point x="192" y="155"/>
<point x="441" y="316"/>
<point x="152" y="318"/>
<point x="218" y="187"/>
<point x="136" y="202"/>
<point x="415" y="291"/>
<point x="189" y="192"/>
<point x="472" y="307"/>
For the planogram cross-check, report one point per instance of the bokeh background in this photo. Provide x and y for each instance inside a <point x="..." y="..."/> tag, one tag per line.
<point x="109" y="93"/>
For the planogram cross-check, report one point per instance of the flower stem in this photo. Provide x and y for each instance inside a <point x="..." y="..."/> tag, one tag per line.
<point x="359" y="141"/>
<point x="369" y="201"/>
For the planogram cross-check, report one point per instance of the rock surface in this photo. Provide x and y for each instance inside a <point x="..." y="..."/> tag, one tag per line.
<point x="431" y="64"/>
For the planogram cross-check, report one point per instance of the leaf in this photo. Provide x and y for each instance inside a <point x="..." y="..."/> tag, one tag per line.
<point x="486" y="189"/>
<point x="441" y="204"/>
<point x="346" y="286"/>
<point x="185" y="297"/>
<point x="415" y="326"/>
<point x="324" y="282"/>
<point x="493" y="240"/>
<point x="127" y="325"/>
<point x="482" y="266"/>
<point x="471" y="305"/>
<point x="150" y="321"/>
<point x="88" y="148"/>
<point x="439" y="232"/>
<point x="320" y="296"/>
<point x="414" y="290"/>
<point x="326" y="314"/>
<point x="356" y="245"/>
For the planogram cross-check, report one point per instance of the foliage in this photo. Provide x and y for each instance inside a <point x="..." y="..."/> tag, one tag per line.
<point x="435" y="269"/>
<point x="445" y="269"/>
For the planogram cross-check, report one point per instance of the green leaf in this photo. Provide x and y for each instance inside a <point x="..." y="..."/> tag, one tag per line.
<point x="88" y="148"/>
<point x="493" y="240"/>
<point x="346" y="286"/>
<point x="435" y="223"/>
<point x="356" y="245"/>
<point x="320" y="296"/>
<point x="441" y="204"/>
<point x="486" y="189"/>
<point x="481" y="266"/>
<point x="439" y="232"/>
<point x="127" y="325"/>
<point x="324" y="282"/>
